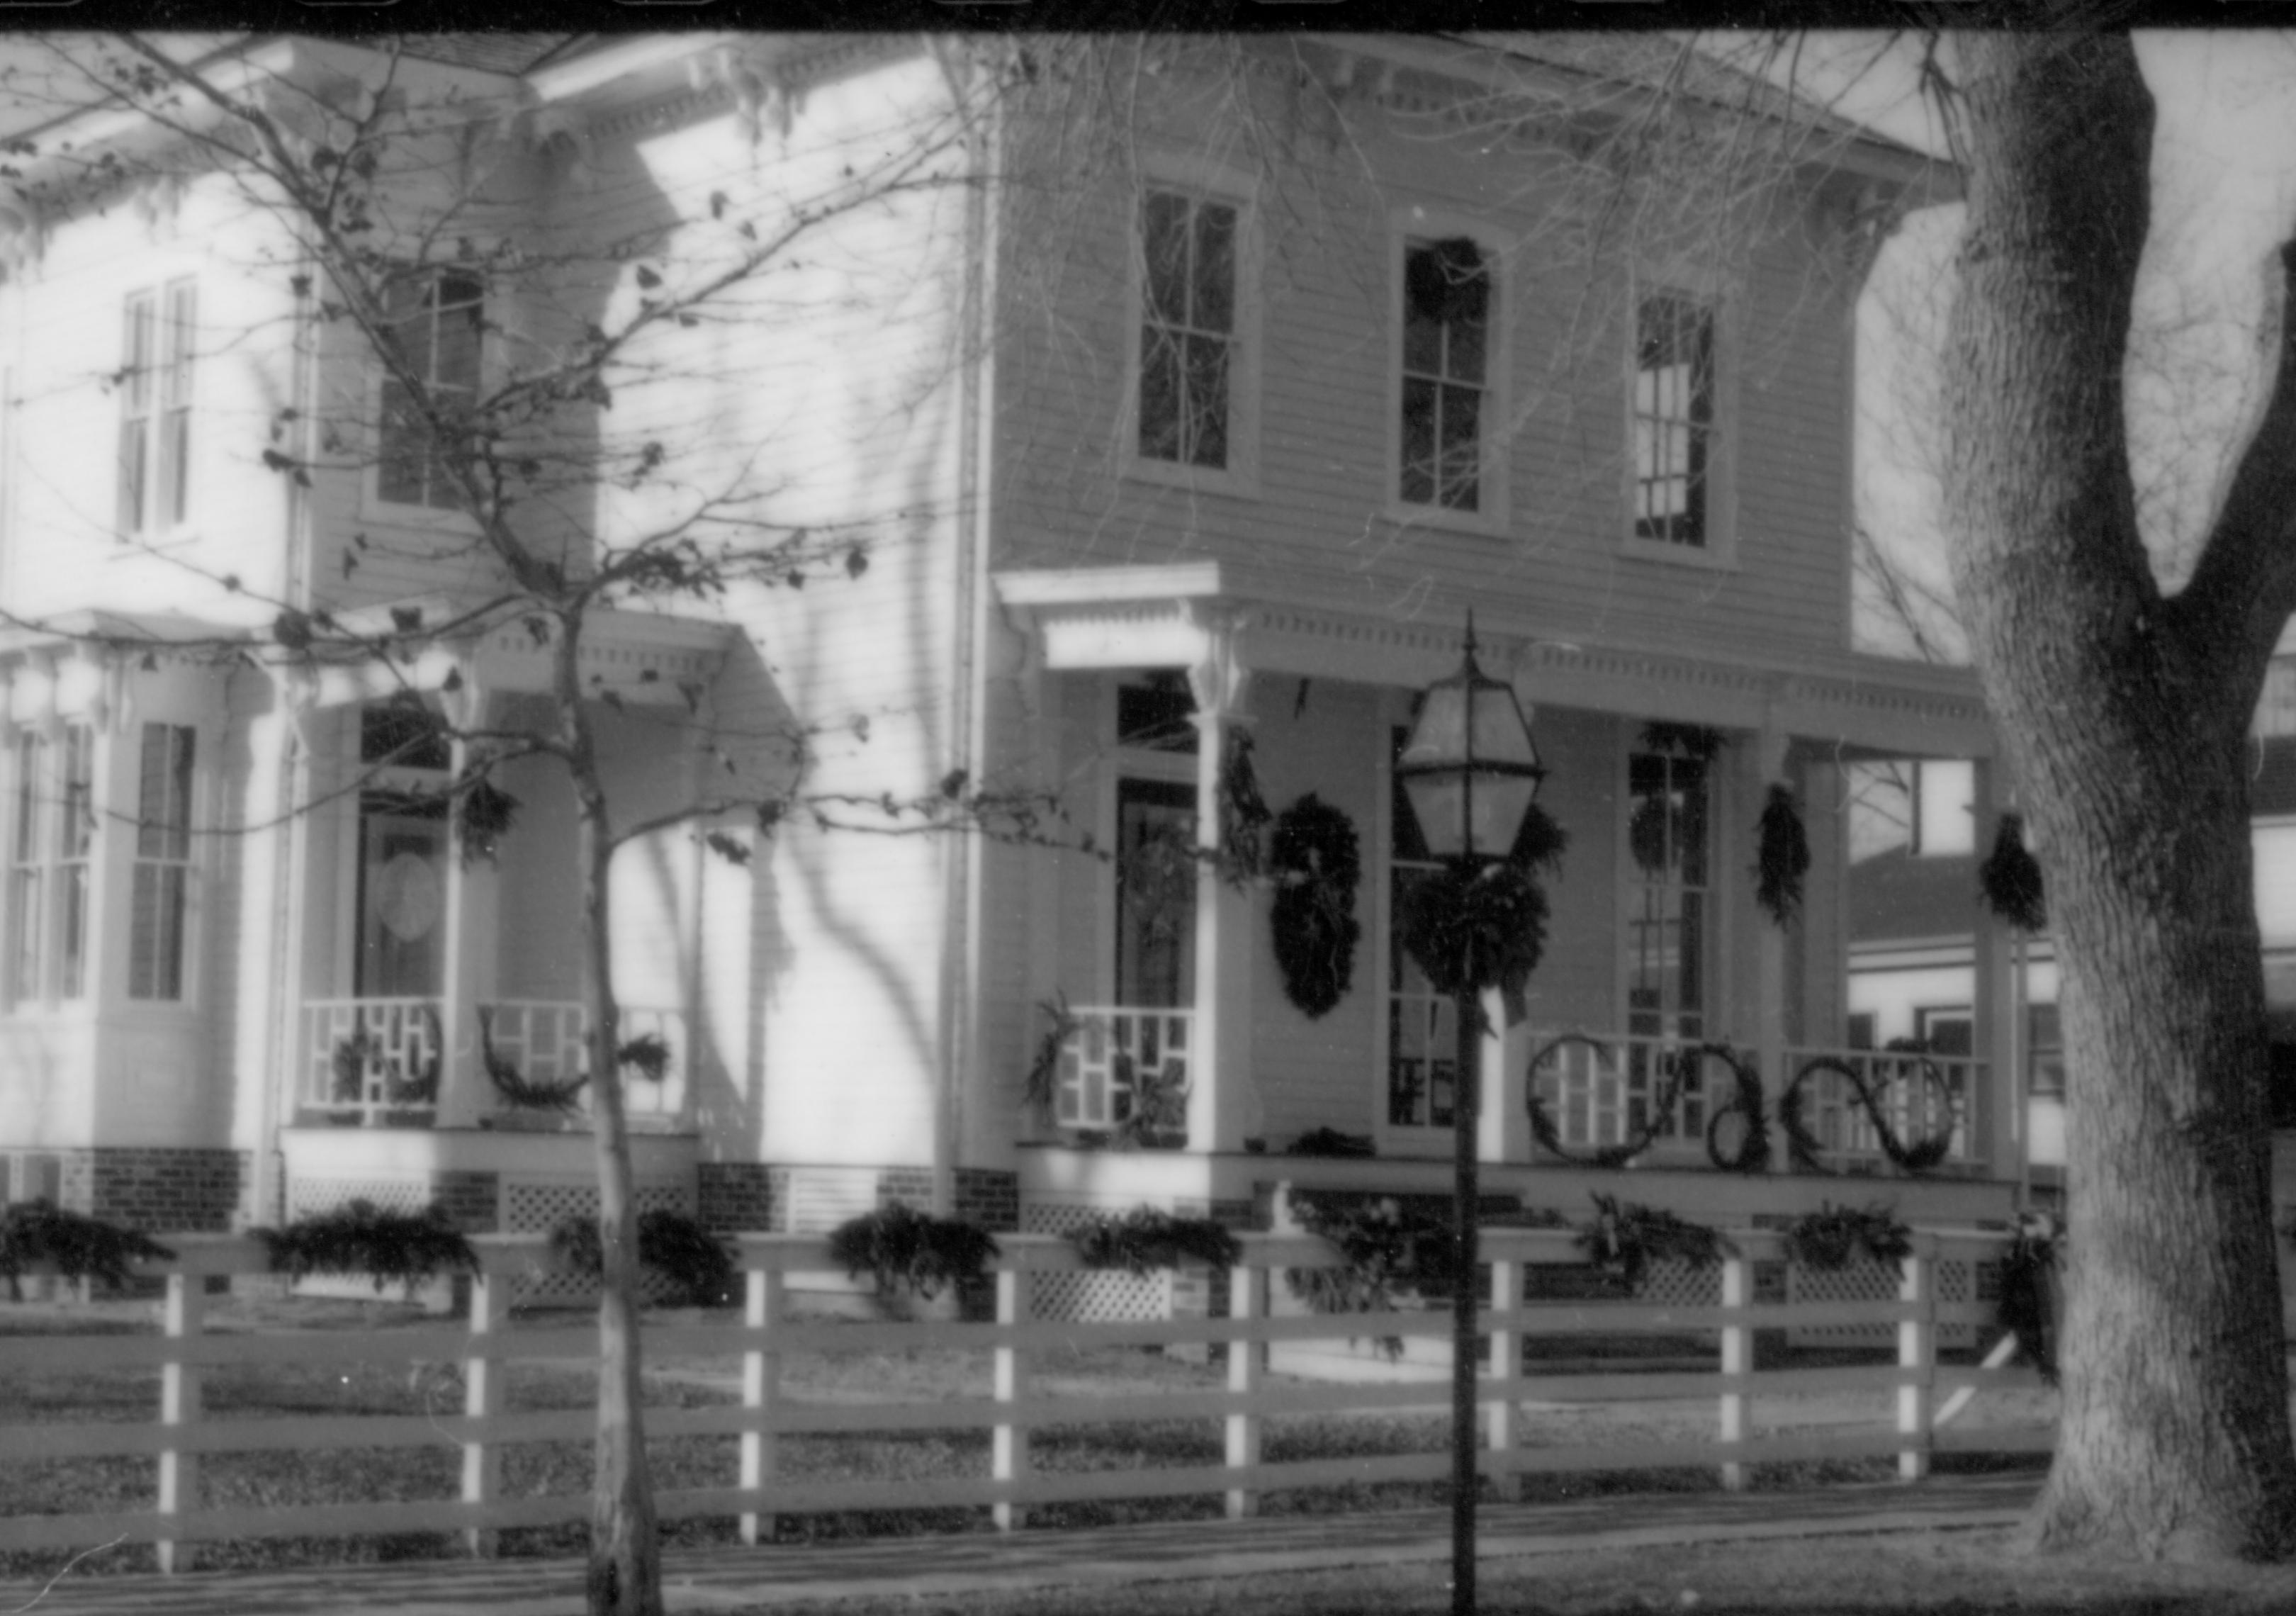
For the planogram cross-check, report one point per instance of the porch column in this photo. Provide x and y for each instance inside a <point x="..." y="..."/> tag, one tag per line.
<point x="470" y="923"/>
<point x="1763" y="766"/>
<point x="1997" y="1123"/>
<point x="1224" y="1106"/>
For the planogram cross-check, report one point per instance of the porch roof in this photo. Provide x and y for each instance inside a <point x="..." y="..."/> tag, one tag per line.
<point x="1177" y="615"/>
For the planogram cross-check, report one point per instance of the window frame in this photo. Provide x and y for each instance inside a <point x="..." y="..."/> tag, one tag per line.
<point x="176" y="855"/>
<point x="1200" y="182"/>
<point x="1718" y="547"/>
<point x="1630" y="882"/>
<point x="376" y="499"/>
<point x="48" y="950"/>
<point x="1407" y="226"/>
<point x="158" y="375"/>
<point x="23" y="978"/>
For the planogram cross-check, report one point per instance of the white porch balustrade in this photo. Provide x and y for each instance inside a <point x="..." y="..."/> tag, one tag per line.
<point x="380" y="1062"/>
<point x="1920" y="1097"/>
<point x="1126" y="1067"/>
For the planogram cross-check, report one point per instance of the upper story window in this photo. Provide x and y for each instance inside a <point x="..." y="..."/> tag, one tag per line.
<point x="160" y="893"/>
<point x="1674" y="412"/>
<point x="50" y="834"/>
<point x="437" y="323"/>
<point x="1190" y="340"/>
<point x="155" y="408"/>
<point x="1446" y="324"/>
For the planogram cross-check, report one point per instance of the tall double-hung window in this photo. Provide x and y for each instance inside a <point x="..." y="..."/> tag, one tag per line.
<point x="1674" y="398"/>
<point x="161" y="889"/>
<point x="1447" y="335"/>
<point x="155" y="408"/>
<point x="437" y="323"/>
<point x="1191" y="358"/>
<point x="51" y="837"/>
<point x="1670" y="920"/>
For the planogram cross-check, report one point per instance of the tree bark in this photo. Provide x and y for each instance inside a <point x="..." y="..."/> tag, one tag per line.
<point x="2123" y="714"/>
<point x="625" y="1571"/>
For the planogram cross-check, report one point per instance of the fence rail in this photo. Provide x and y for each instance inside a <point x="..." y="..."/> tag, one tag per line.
<point x="1902" y="1424"/>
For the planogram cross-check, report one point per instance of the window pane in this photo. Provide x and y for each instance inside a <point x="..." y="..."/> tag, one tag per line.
<point x="24" y="934"/>
<point x="1215" y="270"/>
<point x="134" y="447"/>
<point x="1418" y="480"/>
<point x="1463" y="439"/>
<point x="71" y="964"/>
<point x="155" y="954"/>
<point x="1207" y="394"/>
<point x="1159" y="393"/>
<point x="401" y="475"/>
<point x="1164" y="239"/>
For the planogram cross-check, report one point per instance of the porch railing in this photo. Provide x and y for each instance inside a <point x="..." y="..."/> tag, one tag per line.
<point x="1923" y="1098"/>
<point x="1124" y="1068"/>
<point x="382" y="1062"/>
<point x="1606" y="1089"/>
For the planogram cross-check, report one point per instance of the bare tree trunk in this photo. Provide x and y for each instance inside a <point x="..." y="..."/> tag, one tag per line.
<point x="625" y="1575"/>
<point x="2124" y="716"/>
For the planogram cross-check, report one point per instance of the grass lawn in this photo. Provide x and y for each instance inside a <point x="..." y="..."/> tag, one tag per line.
<point x="922" y="1376"/>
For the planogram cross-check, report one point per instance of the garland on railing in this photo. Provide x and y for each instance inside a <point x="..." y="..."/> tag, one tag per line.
<point x="904" y="1250"/>
<point x="1804" y="1147"/>
<point x="2009" y="881"/>
<point x="1627" y="1239"/>
<point x="1330" y="1142"/>
<point x="1390" y="1252"/>
<point x="1146" y="1238"/>
<point x="78" y="1246"/>
<point x="357" y="1238"/>
<point x="674" y="1245"/>
<point x="1159" y="1117"/>
<point x="1317" y="863"/>
<point x="2027" y="1308"/>
<point x="512" y="1084"/>
<point x="1752" y="1155"/>
<point x="1040" y="1087"/>
<point x="1782" y="857"/>
<point x="1832" y="1235"/>
<point x="351" y="1056"/>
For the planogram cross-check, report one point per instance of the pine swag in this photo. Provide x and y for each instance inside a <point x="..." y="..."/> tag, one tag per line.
<point x="2010" y="879"/>
<point x="1387" y="1251"/>
<point x="1317" y="863"/>
<point x="357" y="1238"/>
<point x="1783" y="859"/>
<point x="1146" y="1238"/>
<point x="79" y="1247"/>
<point x="1830" y="1237"/>
<point x="2027" y="1306"/>
<point x="1243" y="811"/>
<point x="900" y="1249"/>
<point x="1628" y="1239"/>
<point x="484" y="814"/>
<point x="676" y="1247"/>
<point x="1041" y="1088"/>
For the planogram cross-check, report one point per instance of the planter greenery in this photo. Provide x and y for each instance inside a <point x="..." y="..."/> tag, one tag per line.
<point x="2027" y="1306"/>
<point x="1833" y="1236"/>
<point x="1159" y="1117"/>
<point x="674" y="1246"/>
<point x="76" y="1246"/>
<point x="389" y="1248"/>
<point x="1146" y="1238"/>
<point x="1627" y="1239"/>
<point x="901" y="1249"/>
<point x="1392" y="1255"/>
<point x="1317" y="863"/>
<point x="1920" y="1156"/>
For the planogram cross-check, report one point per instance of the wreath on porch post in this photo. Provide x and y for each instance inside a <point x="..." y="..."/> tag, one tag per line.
<point x="1317" y="863"/>
<point x="1782" y="857"/>
<point x="1472" y="929"/>
<point x="1242" y="810"/>
<point x="2010" y="878"/>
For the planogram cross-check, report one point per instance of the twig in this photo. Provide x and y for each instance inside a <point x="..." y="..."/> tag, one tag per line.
<point x="48" y="1586"/>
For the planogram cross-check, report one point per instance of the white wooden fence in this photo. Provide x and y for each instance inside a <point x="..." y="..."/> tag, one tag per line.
<point x="1905" y="1394"/>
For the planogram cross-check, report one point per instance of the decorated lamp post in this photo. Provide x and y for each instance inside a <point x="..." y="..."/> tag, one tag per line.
<point x="1470" y="771"/>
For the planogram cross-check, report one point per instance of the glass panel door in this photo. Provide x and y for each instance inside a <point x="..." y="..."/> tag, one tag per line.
<point x="402" y="903"/>
<point x="1155" y="894"/>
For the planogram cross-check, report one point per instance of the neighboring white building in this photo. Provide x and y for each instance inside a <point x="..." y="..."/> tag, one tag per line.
<point x="1240" y="467"/>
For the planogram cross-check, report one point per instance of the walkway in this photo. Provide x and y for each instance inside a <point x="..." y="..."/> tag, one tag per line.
<point x="797" y="1577"/>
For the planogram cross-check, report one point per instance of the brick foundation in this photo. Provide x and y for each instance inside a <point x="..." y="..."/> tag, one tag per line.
<point x="157" y="1189"/>
<point x="741" y="1195"/>
<point x="472" y="1200"/>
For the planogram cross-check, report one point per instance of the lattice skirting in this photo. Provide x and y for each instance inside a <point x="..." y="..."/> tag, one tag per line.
<point x="315" y="1197"/>
<point x="1676" y="1283"/>
<point x="1099" y="1296"/>
<point x="530" y="1206"/>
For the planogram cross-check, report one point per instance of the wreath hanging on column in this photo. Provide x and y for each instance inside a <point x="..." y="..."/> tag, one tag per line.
<point x="1317" y="862"/>
<point x="2010" y="878"/>
<point x="1782" y="857"/>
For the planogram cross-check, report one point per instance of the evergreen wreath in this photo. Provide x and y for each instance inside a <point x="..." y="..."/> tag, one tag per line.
<point x="900" y="1249"/>
<point x="1146" y="1238"/>
<point x="386" y="1246"/>
<point x="676" y="1247"/>
<point x="1391" y="1254"/>
<point x="76" y="1246"/>
<point x="1627" y="1239"/>
<point x="2010" y="879"/>
<point x="1783" y="858"/>
<point x="1317" y="863"/>
<point x="1242" y="810"/>
<point x="2027" y="1307"/>
<point x="1752" y="1153"/>
<point x="1831" y="1236"/>
<point x="1804" y="1148"/>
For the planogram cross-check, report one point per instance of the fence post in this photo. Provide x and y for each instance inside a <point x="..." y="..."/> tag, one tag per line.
<point x="1917" y="1352"/>
<point x="1247" y="1298"/>
<point x="1506" y="1361"/>
<point x="184" y="1317"/>
<point x="1010" y="1457"/>
<point x="482" y="1399"/>
<point x="1737" y="1359"/>
<point x="761" y="1391"/>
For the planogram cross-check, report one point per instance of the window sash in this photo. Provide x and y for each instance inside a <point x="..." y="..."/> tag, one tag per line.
<point x="135" y="412"/>
<point x="1187" y="331"/>
<point x="1446" y="304"/>
<point x="1673" y="419"/>
<point x="74" y="837"/>
<point x="438" y="327"/>
<point x="159" y="894"/>
<point x="155" y="408"/>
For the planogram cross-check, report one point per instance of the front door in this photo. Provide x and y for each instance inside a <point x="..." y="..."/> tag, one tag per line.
<point x="402" y="903"/>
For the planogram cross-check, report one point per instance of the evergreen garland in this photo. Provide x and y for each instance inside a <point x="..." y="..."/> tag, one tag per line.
<point x="1146" y="1238"/>
<point x="1317" y="862"/>
<point x="2010" y="879"/>
<point x="386" y="1246"/>
<point x="513" y="1085"/>
<point x="1830" y="1237"/>
<point x="1040" y="1087"/>
<point x="78" y="1246"/>
<point x="1784" y="858"/>
<point x="1804" y="1148"/>
<point x="692" y="1260"/>
<point x="1391" y="1254"/>
<point x="1242" y="810"/>
<point x="1675" y="1066"/>
<point x="1627" y="1239"/>
<point x="2027" y="1308"/>
<point x="900" y="1249"/>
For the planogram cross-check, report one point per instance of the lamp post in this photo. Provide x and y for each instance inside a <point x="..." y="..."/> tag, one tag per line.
<point x="1470" y="772"/>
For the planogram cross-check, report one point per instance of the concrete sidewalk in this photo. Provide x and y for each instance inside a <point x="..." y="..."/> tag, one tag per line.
<point x="802" y="1576"/>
